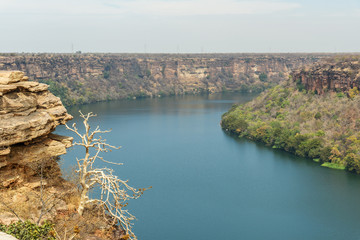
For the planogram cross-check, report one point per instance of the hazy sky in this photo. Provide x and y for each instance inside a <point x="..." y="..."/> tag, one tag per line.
<point x="180" y="26"/>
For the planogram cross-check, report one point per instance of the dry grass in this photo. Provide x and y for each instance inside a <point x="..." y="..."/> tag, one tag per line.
<point x="23" y="201"/>
<point x="26" y="204"/>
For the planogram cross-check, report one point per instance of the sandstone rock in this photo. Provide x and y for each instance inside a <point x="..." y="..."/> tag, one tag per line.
<point x="4" y="151"/>
<point x="8" y="180"/>
<point x="17" y="102"/>
<point x="35" y="184"/>
<point x="39" y="151"/>
<point x="25" y="85"/>
<point x="61" y="205"/>
<point x="32" y="86"/>
<point x="330" y="75"/>
<point x="67" y="141"/>
<point x="28" y="114"/>
<point x="7" y="77"/>
<point x="33" y="111"/>
<point x="25" y="128"/>
<point x="19" y="197"/>
<point x="4" y="236"/>
<point x="3" y="163"/>
<point x="6" y="88"/>
<point x="8" y="218"/>
<point x="47" y="100"/>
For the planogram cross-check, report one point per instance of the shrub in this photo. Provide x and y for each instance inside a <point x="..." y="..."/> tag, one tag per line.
<point x="106" y="71"/>
<point x="340" y="94"/>
<point x="353" y="92"/>
<point x="320" y="133"/>
<point x="317" y="116"/>
<point x="29" y="231"/>
<point x="352" y="162"/>
<point x="310" y="148"/>
<point x="234" y="123"/>
<point x="299" y="85"/>
<point x="263" y="77"/>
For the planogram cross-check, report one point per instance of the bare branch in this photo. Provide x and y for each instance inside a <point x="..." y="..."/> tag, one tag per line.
<point x="115" y="192"/>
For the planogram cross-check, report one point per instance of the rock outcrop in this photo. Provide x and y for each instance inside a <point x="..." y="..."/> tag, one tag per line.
<point x="83" y="78"/>
<point x="31" y="186"/>
<point x="28" y="115"/>
<point x="334" y="74"/>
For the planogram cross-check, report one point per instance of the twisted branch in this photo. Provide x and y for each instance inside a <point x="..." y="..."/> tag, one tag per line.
<point x="115" y="192"/>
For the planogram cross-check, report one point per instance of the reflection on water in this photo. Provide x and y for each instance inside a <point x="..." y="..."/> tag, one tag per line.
<point x="209" y="185"/>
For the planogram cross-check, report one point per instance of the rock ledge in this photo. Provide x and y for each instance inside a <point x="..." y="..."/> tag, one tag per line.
<point x="28" y="115"/>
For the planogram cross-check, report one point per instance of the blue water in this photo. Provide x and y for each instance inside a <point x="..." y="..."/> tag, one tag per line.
<point x="209" y="185"/>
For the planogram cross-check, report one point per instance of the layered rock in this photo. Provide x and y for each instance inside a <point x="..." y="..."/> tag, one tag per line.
<point x="334" y="74"/>
<point x="82" y="78"/>
<point x="28" y="115"/>
<point x="31" y="186"/>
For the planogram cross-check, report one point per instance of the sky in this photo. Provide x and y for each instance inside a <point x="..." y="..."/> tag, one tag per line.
<point x="179" y="26"/>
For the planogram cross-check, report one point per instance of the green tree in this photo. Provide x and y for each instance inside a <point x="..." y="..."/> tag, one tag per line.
<point x="263" y="77"/>
<point x="353" y="162"/>
<point x="353" y="92"/>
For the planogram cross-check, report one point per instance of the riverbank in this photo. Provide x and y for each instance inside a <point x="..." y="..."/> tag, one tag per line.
<point x="175" y="144"/>
<point x="321" y="127"/>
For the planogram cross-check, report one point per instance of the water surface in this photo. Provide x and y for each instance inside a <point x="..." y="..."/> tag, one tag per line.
<point x="209" y="185"/>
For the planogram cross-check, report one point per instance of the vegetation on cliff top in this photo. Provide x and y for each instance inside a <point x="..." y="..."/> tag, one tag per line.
<point x="322" y="127"/>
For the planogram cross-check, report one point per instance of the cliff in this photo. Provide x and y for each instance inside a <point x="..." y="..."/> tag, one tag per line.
<point x="28" y="149"/>
<point x="84" y="78"/>
<point x="333" y="74"/>
<point x="31" y="183"/>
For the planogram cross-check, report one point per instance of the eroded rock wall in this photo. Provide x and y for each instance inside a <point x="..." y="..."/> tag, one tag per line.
<point x="82" y="78"/>
<point x="333" y="74"/>
<point x="28" y="115"/>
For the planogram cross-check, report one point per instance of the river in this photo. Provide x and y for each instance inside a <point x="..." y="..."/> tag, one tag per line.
<point x="209" y="185"/>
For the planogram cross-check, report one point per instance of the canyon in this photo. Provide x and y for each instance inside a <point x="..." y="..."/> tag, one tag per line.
<point x="85" y="78"/>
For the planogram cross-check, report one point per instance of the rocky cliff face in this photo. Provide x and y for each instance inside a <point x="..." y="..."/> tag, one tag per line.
<point x="82" y="78"/>
<point x="28" y="149"/>
<point x="28" y="114"/>
<point x="31" y="186"/>
<point x="333" y="74"/>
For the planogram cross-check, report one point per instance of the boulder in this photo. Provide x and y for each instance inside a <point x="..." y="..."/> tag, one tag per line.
<point x="33" y="110"/>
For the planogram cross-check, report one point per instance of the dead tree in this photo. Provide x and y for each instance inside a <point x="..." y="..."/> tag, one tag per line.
<point x="114" y="192"/>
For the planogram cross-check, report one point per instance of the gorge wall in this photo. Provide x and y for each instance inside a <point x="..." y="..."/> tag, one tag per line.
<point x="83" y="78"/>
<point x="333" y="74"/>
